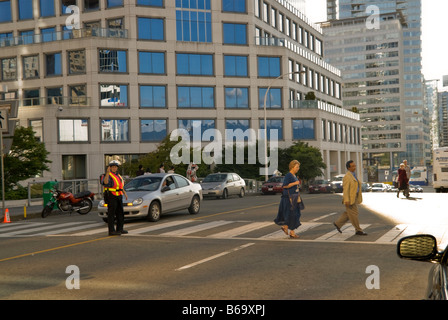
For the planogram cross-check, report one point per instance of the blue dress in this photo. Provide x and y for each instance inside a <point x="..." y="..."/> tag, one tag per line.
<point x="288" y="210"/>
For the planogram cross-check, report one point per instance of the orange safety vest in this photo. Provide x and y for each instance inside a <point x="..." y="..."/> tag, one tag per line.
<point x="117" y="188"/>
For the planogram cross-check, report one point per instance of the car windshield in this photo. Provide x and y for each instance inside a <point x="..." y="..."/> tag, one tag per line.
<point x="321" y="182"/>
<point x="377" y="185"/>
<point x="276" y="179"/>
<point x="143" y="184"/>
<point x="219" y="177"/>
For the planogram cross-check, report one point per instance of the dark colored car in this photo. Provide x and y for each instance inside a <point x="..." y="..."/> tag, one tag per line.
<point x="423" y="247"/>
<point x="273" y="185"/>
<point x="319" y="186"/>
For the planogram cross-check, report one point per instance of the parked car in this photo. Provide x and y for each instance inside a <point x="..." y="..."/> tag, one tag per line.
<point x="365" y="187"/>
<point x="415" y="188"/>
<point x="379" y="187"/>
<point x="223" y="185"/>
<point x="336" y="183"/>
<point x="273" y="185"/>
<point x="150" y="196"/>
<point x="319" y="186"/>
<point x="423" y="247"/>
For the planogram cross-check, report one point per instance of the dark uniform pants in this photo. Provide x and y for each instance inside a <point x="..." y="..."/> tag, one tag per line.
<point x="115" y="211"/>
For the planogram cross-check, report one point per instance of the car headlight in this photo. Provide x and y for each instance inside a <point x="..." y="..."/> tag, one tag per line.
<point x="102" y="204"/>
<point x="137" y="202"/>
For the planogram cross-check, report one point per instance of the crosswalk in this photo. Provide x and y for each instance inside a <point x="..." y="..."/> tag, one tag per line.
<point x="313" y="230"/>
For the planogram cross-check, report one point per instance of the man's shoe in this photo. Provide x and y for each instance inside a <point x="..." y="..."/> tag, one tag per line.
<point x="337" y="228"/>
<point x="360" y="233"/>
<point x="115" y="233"/>
<point x="123" y="231"/>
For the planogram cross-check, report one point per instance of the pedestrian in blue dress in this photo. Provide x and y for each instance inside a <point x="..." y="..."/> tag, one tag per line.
<point x="288" y="216"/>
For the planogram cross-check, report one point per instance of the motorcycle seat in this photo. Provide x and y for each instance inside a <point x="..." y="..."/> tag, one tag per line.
<point x="82" y="194"/>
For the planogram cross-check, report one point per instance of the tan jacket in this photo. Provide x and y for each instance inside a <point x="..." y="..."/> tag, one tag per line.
<point x="350" y="187"/>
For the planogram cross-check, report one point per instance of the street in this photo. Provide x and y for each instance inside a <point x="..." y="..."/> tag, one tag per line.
<point x="231" y="250"/>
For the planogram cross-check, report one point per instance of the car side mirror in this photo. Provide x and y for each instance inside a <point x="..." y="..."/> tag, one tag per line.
<point x="165" y="188"/>
<point x="229" y="180"/>
<point x="421" y="247"/>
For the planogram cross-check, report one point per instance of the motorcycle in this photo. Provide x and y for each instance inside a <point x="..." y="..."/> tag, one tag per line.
<point x="67" y="202"/>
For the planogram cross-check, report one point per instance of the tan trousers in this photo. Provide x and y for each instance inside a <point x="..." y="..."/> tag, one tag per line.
<point x="350" y="213"/>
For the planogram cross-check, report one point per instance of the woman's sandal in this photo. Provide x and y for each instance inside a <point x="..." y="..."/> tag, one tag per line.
<point x="293" y="236"/>
<point x="285" y="229"/>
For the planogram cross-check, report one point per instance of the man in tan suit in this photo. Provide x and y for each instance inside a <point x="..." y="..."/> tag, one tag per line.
<point x="352" y="196"/>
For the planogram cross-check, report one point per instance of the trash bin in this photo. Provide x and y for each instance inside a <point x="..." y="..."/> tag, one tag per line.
<point x="47" y="192"/>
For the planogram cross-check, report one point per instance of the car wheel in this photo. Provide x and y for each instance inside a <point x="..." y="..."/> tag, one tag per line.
<point x="154" y="212"/>
<point x="225" y="194"/>
<point x="195" y="205"/>
<point x="242" y="193"/>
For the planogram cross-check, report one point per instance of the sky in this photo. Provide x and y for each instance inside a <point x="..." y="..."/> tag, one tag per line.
<point x="434" y="41"/>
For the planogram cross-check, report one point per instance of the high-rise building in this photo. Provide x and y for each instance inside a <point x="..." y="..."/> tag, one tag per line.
<point x="299" y="4"/>
<point x="135" y="70"/>
<point x="416" y="118"/>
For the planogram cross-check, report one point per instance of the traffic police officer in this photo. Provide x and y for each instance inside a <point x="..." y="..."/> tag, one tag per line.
<point x="113" y="191"/>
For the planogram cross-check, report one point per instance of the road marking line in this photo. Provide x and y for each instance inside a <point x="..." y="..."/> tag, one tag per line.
<point x="30" y="230"/>
<point x="236" y="210"/>
<point x="198" y="228"/>
<point x="392" y="235"/>
<point x="54" y="232"/>
<point x="279" y="234"/>
<point x="241" y="230"/>
<point x="159" y="226"/>
<point x="347" y="232"/>
<point x="213" y="257"/>
<point x="9" y="227"/>
<point x="325" y="216"/>
<point x="100" y="230"/>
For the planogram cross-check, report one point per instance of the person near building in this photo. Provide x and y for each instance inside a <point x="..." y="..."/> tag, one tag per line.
<point x="191" y="172"/>
<point x="403" y="181"/>
<point x="113" y="195"/>
<point x="408" y="175"/>
<point x="140" y="171"/>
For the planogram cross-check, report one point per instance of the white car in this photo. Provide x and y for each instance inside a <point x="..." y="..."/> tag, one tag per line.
<point x="223" y="185"/>
<point x="379" y="187"/>
<point x="151" y="195"/>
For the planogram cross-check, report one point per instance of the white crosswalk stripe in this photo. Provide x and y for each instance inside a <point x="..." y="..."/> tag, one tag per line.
<point x="313" y="230"/>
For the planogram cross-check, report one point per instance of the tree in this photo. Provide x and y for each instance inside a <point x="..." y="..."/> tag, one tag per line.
<point x="26" y="159"/>
<point x="310" y="96"/>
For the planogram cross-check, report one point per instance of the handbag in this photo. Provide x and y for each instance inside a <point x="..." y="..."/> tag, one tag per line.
<point x="299" y="201"/>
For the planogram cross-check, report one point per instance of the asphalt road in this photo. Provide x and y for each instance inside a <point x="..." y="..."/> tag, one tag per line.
<point x="231" y="250"/>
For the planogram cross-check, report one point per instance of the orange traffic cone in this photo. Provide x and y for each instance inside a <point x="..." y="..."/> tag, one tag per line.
<point x="7" y="219"/>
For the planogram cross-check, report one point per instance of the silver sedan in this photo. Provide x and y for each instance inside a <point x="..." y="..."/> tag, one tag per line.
<point x="151" y="195"/>
<point x="223" y="185"/>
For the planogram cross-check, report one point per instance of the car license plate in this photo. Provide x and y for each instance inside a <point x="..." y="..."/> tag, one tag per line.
<point x="270" y="189"/>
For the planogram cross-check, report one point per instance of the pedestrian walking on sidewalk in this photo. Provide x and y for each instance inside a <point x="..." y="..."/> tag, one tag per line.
<point x="351" y="197"/>
<point x="402" y="181"/>
<point x="288" y="216"/>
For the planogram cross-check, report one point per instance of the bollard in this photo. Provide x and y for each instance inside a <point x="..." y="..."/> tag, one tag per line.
<point x="24" y="212"/>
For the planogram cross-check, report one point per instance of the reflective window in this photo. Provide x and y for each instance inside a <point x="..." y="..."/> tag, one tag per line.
<point x="237" y="98"/>
<point x="114" y="95"/>
<point x="151" y="62"/>
<point x="193" y="20"/>
<point x="150" y="29"/>
<point x="31" y="97"/>
<point x="26" y="37"/>
<point x="153" y="129"/>
<point x="269" y="67"/>
<point x="65" y="4"/>
<point x="78" y="94"/>
<point x="74" y="167"/>
<point x="233" y="124"/>
<point x="272" y="124"/>
<point x="48" y="34"/>
<point x="114" y="3"/>
<point x="152" y="96"/>
<point x="54" y="95"/>
<point x="31" y="67"/>
<point x="5" y="11"/>
<point x="235" y="66"/>
<point x="53" y="64"/>
<point x="112" y="60"/>
<point x="234" y="5"/>
<point x="303" y="129"/>
<point x="73" y="130"/>
<point x="196" y="128"/>
<point x="91" y="5"/>
<point x="115" y="130"/>
<point x="76" y="61"/>
<point x="9" y="69"/>
<point x="195" y="97"/>
<point x="194" y="64"/>
<point x="234" y="33"/>
<point x="25" y="9"/>
<point x="273" y="99"/>
<point x="151" y="3"/>
<point x="46" y="8"/>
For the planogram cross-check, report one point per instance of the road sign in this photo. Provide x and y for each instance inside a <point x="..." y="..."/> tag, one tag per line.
<point x="4" y="119"/>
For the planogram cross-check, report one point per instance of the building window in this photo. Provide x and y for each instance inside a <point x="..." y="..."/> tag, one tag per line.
<point x="234" y="5"/>
<point x="234" y="33"/>
<point x="196" y="128"/>
<point x="46" y="8"/>
<point x="273" y="124"/>
<point x="5" y="11"/>
<point x="234" y="124"/>
<point x="303" y="129"/>
<point x="150" y="29"/>
<point x="37" y="125"/>
<point x="54" y="95"/>
<point x="112" y="60"/>
<point x="48" y="34"/>
<point x="25" y="9"/>
<point x="194" y="64"/>
<point x="74" y="167"/>
<point x="195" y="97"/>
<point x="31" y="67"/>
<point x="114" y="3"/>
<point x="152" y="96"/>
<point x="73" y="130"/>
<point x="114" y="130"/>
<point x="153" y="129"/>
<point x="9" y="69"/>
<point x="269" y="67"/>
<point x="273" y="99"/>
<point x="90" y="5"/>
<point x="235" y="66"/>
<point x="31" y="97"/>
<point x="76" y="61"/>
<point x="26" y="37"/>
<point x="65" y="4"/>
<point x="114" y="95"/>
<point x="151" y="3"/>
<point x="151" y="62"/>
<point x="193" y="21"/>
<point x="78" y="94"/>
<point x="237" y="98"/>
<point x="53" y="64"/>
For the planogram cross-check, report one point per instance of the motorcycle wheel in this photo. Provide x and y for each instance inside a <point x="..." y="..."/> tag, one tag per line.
<point x="47" y="210"/>
<point x="85" y="203"/>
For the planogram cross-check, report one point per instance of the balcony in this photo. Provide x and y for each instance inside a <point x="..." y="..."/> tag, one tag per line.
<point x="315" y="104"/>
<point x="64" y="35"/>
<point x="81" y="101"/>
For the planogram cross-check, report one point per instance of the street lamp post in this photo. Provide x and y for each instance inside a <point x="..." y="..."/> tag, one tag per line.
<point x="265" y="126"/>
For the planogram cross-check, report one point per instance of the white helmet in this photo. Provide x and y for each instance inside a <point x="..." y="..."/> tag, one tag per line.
<point x="114" y="163"/>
